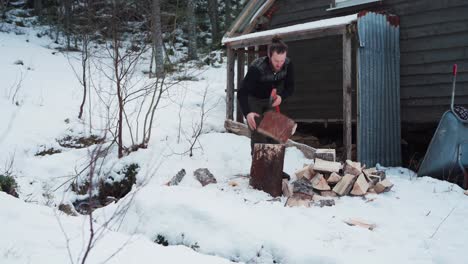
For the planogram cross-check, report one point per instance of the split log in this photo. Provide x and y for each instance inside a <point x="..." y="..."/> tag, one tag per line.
<point x="242" y="130"/>
<point x="266" y="173"/>
<point x="360" y="186"/>
<point x="204" y="176"/>
<point x="277" y="126"/>
<point x="326" y="166"/>
<point x="383" y="186"/>
<point x="303" y="186"/>
<point x="334" y="178"/>
<point x="177" y="178"/>
<point x="373" y="175"/>
<point x="357" y="222"/>
<point x="295" y="201"/>
<point x="319" y="183"/>
<point x="305" y="172"/>
<point x="353" y="168"/>
<point x="328" y="194"/>
<point x="326" y="154"/>
<point x="287" y="188"/>
<point x="344" y="186"/>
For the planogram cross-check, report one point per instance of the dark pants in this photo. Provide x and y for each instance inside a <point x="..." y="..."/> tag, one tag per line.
<point x="259" y="106"/>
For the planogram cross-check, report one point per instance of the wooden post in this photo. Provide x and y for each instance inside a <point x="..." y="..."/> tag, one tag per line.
<point x="230" y="84"/>
<point x="240" y="78"/>
<point x="250" y="55"/>
<point x="347" y="102"/>
<point x="266" y="173"/>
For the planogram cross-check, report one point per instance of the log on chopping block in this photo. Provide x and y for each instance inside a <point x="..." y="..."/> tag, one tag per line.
<point x="266" y="173"/>
<point x="242" y="130"/>
<point x="277" y="126"/>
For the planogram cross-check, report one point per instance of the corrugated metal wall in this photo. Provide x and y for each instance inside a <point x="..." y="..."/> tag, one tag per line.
<point x="379" y="129"/>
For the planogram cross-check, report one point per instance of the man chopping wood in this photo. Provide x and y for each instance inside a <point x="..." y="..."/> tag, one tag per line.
<point x="274" y="71"/>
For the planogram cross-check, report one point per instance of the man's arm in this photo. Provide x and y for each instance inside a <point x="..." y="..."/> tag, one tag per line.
<point x="249" y="83"/>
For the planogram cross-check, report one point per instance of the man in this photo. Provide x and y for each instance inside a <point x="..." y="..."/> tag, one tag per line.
<point x="265" y="74"/>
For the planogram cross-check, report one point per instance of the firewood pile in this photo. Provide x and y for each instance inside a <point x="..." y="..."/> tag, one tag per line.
<point x="318" y="183"/>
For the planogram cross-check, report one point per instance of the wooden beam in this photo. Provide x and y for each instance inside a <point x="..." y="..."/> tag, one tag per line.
<point x="250" y="55"/>
<point x="230" y="84"/>
<point x="289" y="36"/>
<point x="347" y="99"/>
<point x="240" y="78"/>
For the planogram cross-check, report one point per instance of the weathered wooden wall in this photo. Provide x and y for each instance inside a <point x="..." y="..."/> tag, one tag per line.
<point x="433" y="36"/>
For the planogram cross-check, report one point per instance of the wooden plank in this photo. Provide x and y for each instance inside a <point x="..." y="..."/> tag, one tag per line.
<point x="441" y="78"/>
<point x="436" y="90"/>
<point x="266" y="173"/>
<point x="436" y="55"/>
<point x="347" y="101"/>
<point x="240" y="78"/>
<point x="289" y="36"/>
<point x="427" y="16"/>
<point x="444" y="67"/>
<point x="434" y="28"/>
<point x="230" y="84"/>
<point x="448" y="41"/>
<point x="247" y="10"/>
<point x="258" y="14"/>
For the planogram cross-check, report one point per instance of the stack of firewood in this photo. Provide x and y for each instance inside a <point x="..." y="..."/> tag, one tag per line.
<point x="326" y="178"/>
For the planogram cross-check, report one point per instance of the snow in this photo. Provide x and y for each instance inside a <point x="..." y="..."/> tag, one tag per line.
<point x="315" y="25"/>
<point x="421" y="220"/>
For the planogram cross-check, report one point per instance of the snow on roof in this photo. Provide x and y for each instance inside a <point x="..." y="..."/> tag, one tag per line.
<point x="324" y="23"/>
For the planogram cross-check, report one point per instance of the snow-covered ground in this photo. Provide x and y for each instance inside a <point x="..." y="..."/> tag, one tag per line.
<point x="421" y="220"/>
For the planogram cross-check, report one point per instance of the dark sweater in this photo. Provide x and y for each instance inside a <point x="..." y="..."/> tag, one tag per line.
<point x="261" y="79"/>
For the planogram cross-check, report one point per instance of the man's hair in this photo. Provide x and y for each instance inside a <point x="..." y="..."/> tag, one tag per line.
<point x="277" y="45"/>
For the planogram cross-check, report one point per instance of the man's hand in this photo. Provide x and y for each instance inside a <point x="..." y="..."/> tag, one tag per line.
<point x="251" y="120"/>
<point x="277" y="101"/>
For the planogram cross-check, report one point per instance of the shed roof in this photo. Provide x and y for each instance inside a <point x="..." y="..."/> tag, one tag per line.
<point x="300" y="31"/>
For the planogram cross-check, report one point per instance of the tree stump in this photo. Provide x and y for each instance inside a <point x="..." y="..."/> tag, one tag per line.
<point x="266" y="173"/>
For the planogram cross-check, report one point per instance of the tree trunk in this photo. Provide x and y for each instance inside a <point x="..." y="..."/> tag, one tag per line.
<point x="213" y="14"/>
<point x="67" y="8"/>
<point x="38" y="7"/>
<point x="157" y="38"/>
<point x="228" y="11"/>
<point x="192" y="33"/>
<point x="117" y="74"/>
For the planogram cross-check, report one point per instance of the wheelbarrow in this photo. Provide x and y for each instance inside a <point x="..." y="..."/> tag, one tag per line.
<point x="447" y="155"/>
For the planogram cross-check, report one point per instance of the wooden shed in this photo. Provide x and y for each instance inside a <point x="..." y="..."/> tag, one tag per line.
<point x="381" y="66"/>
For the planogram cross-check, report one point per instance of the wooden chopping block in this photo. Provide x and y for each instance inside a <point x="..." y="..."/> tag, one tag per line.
<point x="266" y="173"/>
<point x="277" y="126"/>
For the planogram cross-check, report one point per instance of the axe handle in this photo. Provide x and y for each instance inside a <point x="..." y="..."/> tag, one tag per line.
<point x="273" y="97"/>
